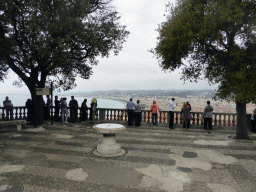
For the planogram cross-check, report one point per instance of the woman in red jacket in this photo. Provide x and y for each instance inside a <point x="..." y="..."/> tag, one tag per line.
<point x="154" y="108"/>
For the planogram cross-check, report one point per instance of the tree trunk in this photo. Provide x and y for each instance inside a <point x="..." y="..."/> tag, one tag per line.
<point x="38" y="108"/>
<point x="241" y="127"/>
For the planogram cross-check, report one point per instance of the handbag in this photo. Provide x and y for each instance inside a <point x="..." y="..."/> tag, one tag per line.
<point x="189" y="117"/>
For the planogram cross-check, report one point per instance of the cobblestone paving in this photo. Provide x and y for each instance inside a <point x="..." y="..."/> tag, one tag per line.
<point x="60" y="158"/>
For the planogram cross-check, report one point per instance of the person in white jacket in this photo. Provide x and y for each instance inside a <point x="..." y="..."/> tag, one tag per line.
<point x="171" y="107"/>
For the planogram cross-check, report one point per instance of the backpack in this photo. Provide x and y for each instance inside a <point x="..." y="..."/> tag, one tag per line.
<point x="63" y="104"/>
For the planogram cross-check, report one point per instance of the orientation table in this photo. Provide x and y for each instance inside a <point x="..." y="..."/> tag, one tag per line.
<point x="109" y="147"/>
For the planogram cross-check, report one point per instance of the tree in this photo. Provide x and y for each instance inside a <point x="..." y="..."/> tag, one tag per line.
<point x="216" y="40"/>
<point x="56" y="40"/>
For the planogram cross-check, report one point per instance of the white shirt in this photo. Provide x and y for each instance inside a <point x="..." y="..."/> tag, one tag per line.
<point x="171" y="105"/>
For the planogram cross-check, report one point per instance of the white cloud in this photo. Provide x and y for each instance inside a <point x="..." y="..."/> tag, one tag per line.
<point x="134" y="67"/>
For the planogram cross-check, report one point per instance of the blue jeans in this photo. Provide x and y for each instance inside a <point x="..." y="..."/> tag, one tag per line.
<point x="154" y="118"/>
<point x="64" y="115"/>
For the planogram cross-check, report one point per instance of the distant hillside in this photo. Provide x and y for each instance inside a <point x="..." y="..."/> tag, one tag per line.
<point x="151" y="93"/>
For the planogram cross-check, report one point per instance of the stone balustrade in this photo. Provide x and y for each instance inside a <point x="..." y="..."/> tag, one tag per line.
<point x="120" y="115"/>
<point x="219" y="119"/>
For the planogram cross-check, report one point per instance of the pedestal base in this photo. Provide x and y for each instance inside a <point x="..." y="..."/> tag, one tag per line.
<point x="109" y="147"/>
<point x="95" y="152"/>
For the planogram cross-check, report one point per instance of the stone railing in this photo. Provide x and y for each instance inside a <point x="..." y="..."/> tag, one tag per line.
<point x="120" y="115"/>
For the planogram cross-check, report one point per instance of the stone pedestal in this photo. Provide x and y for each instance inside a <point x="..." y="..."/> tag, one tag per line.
<point x="109" y="147"/>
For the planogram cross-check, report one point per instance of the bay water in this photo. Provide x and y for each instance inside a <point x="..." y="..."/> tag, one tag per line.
<point x="20" y="100"/>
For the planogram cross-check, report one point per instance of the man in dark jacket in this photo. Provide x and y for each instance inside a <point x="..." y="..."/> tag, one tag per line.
<point x="73" y="109"/>
<point x="8" y="106"/>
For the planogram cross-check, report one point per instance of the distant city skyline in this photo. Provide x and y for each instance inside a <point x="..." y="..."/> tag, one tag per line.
<point x="135" y="68"/>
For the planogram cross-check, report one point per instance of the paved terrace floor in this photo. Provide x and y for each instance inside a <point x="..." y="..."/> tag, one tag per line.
<point x="59" y="158"/>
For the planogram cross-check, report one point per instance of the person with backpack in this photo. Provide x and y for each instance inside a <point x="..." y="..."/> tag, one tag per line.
<point x="137" y="113"/>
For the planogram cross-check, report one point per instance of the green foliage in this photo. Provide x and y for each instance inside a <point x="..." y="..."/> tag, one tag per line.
<point x="43" y="41"/>
<point x="216" y="39"/>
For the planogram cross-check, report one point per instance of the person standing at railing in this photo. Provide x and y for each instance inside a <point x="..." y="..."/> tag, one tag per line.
<point x="93" y="110"/>
<point x="171" y="107"/>
<point x="8" y="106"/>
<point x="137" y="113"/>
<point x="253" y="121"/>
<point x="64" y="110"/>
<point x="30" y="109"/>
<point x="154" y="110"/>
<point x="73" y="104"/>
<point x="57" y="108"/>
<point x="189" y="106"/>
<point x="84" y="112"/>
<point x="208" y="116"/>
<point x="130" y="106"/>
<point x="185" y="115"/>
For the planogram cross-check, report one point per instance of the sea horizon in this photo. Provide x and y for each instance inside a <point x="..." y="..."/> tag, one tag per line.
<point x="20" y="100"/>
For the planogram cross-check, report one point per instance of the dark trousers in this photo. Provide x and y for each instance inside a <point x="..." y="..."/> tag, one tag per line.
<point x="84" y="115"/>
<point x="137" y="116"/>
<point x="56" y="115"/>
<point x="154" y="118"/>
<point x="73" y="114"/>
<point x="186" y="124"/>
<point x="130" y="117"/>
<point x="9" y="114"/>
<point x="209" y="122"/>
<point x="253" y="123"/>
<point x="171" y="114"/>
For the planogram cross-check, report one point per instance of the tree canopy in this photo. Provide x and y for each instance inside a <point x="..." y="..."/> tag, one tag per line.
<point x="212" y="39"/>
<point x="56" y="40"/>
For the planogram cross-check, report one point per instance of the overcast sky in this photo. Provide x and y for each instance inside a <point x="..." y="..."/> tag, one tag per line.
<point x="134" y="67"/>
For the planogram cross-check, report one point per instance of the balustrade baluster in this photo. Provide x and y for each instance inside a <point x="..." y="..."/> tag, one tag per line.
<point x="215" y="120"/>
<point x="224" y="120"/>
<point x="118" y="117"/>
<point x="220" y="120"/>
<point x="149" y="115"/>
<point x="125" y="113"/>
<point x="24" y="113"/>
<point x="111" y="115"/>
<point x="234" y="120"/>
<point x="199" y="118"/>
<point x="145" y="116"/>
<point x="16" y="113"/>
<point x="193" y="119"/>
<point x="122" y="117"/>
<point x="160" y="117"/>
<point x="107" y="114"/>
<point x="229" y="121"/>
<point x="164" y="118"/>
<point x="20" y="117"/>
<point x="114" y="115"/>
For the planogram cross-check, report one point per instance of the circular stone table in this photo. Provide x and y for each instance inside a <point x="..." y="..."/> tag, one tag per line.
<point x="108" y="147"/>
